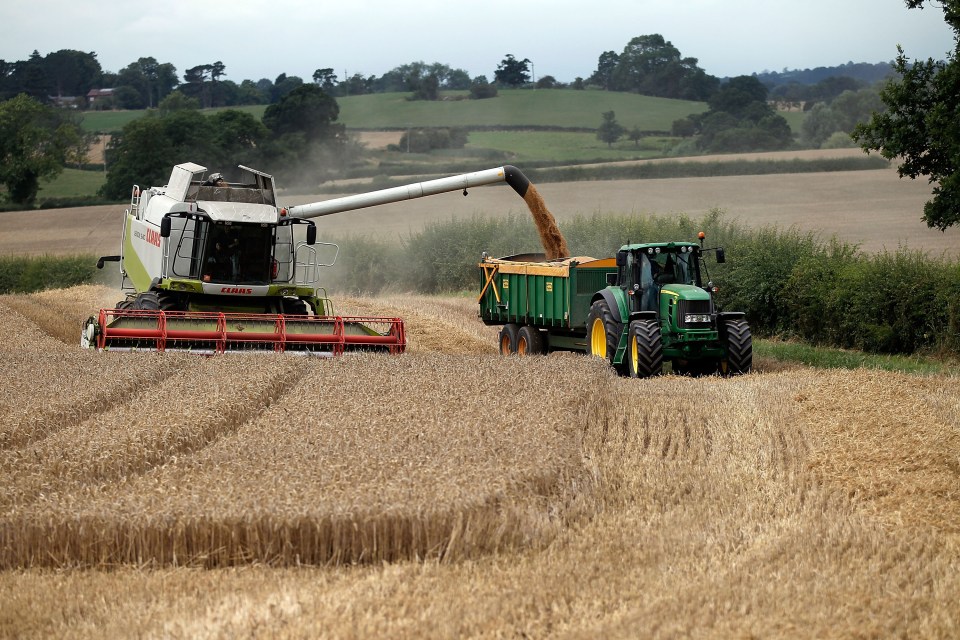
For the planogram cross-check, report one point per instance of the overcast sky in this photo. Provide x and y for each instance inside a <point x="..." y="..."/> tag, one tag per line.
<point x="264" y="38"/>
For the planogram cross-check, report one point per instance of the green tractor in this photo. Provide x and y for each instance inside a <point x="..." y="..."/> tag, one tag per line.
<point x="656" y="308"/>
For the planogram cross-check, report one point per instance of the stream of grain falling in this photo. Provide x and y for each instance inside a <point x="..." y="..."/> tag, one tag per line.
<point x="552" y="240"/>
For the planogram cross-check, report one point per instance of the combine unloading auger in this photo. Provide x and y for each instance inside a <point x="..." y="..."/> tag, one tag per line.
<point x="217" y="267"/>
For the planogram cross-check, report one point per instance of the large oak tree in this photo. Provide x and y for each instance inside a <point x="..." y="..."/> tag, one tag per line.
<point x="921" y="127"/>
<point x="35" y="142"/>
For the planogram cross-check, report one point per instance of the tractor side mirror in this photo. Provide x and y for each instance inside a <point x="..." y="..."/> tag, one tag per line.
<point x="621" y="258"/>
<point x="611" y="279"/>
<point x="311" y="234"/>
<point x="721" y="257"/>
<point x="165" y="225"/>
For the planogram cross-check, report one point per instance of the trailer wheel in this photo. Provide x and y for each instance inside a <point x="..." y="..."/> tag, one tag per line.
<point x="508" y="339"/>
<point x="603" y="333"/>
<point x="644" y="349"/>
<point x="739" y="358"/>
<point x="530" y="341"/>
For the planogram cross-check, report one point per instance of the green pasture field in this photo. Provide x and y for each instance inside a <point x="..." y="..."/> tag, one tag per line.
<point x="560" y="108"/>
<point x="565" y="146"/>
<point x="72" y="182"/>
<point x="557" y="108"/>
<point x="830" y="358"/>
<point x="109" y="121"/>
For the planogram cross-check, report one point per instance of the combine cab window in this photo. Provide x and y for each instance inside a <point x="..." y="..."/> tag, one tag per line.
<point x="238" y="254"/>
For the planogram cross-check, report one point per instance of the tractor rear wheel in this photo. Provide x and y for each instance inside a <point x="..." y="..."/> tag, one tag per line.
<point x="739" y="345"/>
<point x="508" y="339"/>
<point x="603" y="333"/>
<point x="530" y="341"/>
<point x="644" y="349"/>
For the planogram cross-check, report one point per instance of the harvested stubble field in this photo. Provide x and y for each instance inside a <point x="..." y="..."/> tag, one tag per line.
<point x="452" y="492"/>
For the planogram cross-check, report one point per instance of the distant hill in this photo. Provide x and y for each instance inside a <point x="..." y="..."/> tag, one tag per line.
<point x="863" y="71"/>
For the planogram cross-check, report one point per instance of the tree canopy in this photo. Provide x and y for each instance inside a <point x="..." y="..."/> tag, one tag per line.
<point x="512" y="72"/>
<point x="61" y="73"/>
<point x="610" y="130"/>
<point x="739" y="119"/>
<point x="145" y="150"/>
<point x="35" y="142"/>
<point x="306" y="110"/>
<point x="921" y="126"/>
<point x="652" y="66"/>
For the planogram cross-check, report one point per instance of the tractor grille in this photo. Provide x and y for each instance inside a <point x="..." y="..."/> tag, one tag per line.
<point x="700" y="307"/>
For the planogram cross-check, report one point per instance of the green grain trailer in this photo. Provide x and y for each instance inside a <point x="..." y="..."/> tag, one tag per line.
<point x="647" y="305"/>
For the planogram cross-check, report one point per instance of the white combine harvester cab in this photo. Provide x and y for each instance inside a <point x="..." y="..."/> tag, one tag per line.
<point x="203" y="229"/>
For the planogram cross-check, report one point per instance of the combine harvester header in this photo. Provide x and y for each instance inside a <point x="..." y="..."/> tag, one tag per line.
<point x="213" y="266"/>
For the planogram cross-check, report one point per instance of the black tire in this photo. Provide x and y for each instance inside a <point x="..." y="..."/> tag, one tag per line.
<point x="739" y="344"/>
<point x="603" y="333"/>
<point x="530" y="341"/>
<point x="294" y="307"/>
<point x="156" y="301"/>
<point x="508" y="339"/>
<point x="644" y="349"/>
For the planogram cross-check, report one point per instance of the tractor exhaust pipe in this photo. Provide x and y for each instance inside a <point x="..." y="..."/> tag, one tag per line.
<point x="507" y="173"/>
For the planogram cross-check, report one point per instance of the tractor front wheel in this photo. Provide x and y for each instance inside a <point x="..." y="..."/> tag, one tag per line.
<point x="644" y="349"/>
<point x="739" y="344"/>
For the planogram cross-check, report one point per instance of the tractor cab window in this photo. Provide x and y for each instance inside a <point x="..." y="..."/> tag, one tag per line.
<point x="673" y="268"/>
<point x="648" y="288"/>
<point x="238" y="254"/>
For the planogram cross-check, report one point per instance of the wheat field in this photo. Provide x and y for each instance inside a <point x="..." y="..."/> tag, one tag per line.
<point x="452" y="492"/>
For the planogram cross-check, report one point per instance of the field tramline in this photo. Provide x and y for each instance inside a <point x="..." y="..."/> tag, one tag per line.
<point x="450" y="491"/>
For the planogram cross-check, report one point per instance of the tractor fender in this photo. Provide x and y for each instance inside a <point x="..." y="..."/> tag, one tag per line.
<point x="724" y="316"/>
<point x="615" y="299"/>
<point x="643" y="315"/>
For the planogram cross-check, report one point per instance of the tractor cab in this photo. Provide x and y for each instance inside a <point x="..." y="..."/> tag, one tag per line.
<point x="644" y="271"/>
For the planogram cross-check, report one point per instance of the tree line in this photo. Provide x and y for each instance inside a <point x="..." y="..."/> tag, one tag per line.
<point x="648" y="64"/>
<point x="912" y="116"/>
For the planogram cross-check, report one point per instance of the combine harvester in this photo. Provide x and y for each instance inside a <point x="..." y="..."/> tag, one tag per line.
<point x="218" y="267"/>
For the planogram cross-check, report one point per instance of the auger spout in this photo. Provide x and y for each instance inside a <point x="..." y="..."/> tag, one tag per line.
<point x="507" y="173"/>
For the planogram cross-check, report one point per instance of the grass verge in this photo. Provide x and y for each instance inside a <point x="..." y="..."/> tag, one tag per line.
<point x="19" y="274"/>
<point x="828" y="358"/>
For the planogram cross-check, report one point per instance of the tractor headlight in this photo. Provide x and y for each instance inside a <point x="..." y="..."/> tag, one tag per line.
<point x="696" y="318"/>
